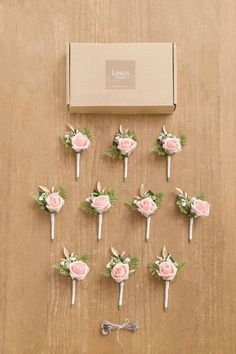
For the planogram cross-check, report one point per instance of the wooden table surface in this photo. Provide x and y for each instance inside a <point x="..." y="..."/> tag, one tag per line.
<point x="35" y="312"/>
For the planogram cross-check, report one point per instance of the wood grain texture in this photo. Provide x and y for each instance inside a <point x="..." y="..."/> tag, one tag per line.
<point x="35" y="312"/>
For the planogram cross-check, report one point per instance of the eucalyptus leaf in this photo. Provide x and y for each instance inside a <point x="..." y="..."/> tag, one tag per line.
<point x="114" y="251"/>
<point x="142" y="190"/>
<point x="44" y="189"/>
<point x="66" y="252"/>
<point x="164" y="252"/>
<point x="99" y="187"/>
<point x="179" y="191"/>
<point x="164" y="129"/>
<point x="70" y="126"/>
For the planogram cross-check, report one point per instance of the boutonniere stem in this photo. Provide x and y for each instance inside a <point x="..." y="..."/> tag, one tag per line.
<point x="52" y="226"/>
<point x="121" y="291"/>
<point x="168" y="162"/>
<point x="167" y="286"/>
<point x="77" y="165"/>
<point x="126" y="160"/>
<point x="190" y="232"/>
<point x="99" y="226"/>
<point x="73" y="284"/>
<point x="148" y="228"/>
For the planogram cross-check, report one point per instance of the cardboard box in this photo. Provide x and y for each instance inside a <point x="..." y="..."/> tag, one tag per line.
<point x="121" y="78"/>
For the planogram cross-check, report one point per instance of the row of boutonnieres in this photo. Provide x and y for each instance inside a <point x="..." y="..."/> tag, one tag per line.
<point x="124" y="143"/>
<point x="102" y="199"/>
<point x="119" y="268"/>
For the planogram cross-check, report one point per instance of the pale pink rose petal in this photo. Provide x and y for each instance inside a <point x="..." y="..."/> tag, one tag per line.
<point x="172" y="145"/>
<point x="80" y="142"/>
<point x="101" y="203"/>
<point x="120" y="272"/>
<point x="146" y="206"/>
<point x="78" y="270"/>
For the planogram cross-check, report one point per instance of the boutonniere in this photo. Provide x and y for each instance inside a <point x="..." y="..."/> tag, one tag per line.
<point x="51" y="201"/>
<point x="169" y="144"/>
<point x="165" y="268"/>
<point x="78" y="142"/>
<point x="124" y="143"/>
<point x="193" y="207"/>
<point x="119" y="268"/>
<point x="146" y="204"/>
<point x="100" y="201"/>
<point x="74" y="267"/>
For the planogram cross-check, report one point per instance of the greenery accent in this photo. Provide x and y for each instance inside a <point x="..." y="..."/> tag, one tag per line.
<point x="183" y="139"/>
<point x="86" y="206"/>
<point x="113" y="152"/>
<point x="66" y="144"/>
<point x="132" y="206"/>
<point x="40" y="199"/>
<point x="106" y="272"/>
<point x="62" y="192"/>
<point x="159" y="149"/>
<point x="62" y="269"/>
<point x="134" y="262"/>
<point x="201" y="196"/>
<point x="85" y="258"/>
<point x="153" y="270"/>
<point x="112" y="193"/>
<point x="156" y="197"/>
<point x="87" y="132"/>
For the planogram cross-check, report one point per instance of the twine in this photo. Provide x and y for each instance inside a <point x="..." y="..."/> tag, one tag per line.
<point x="108" y="327"/>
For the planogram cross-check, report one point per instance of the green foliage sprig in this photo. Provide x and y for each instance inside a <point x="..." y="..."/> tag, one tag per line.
<point x="132" y="261"/>
<point x="184" y="202"/>
<point x="113" y="151"/>
<point x="158" y="147"/>
<point x="110" y="192"/>
<point x="156" y="197"/>
<point x="165" y="257"/>
<point x="68" y="135"/>
<point x="64" y="264"/>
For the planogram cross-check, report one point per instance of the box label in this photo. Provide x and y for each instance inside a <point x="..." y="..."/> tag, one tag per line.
<point x="120" y="74"/>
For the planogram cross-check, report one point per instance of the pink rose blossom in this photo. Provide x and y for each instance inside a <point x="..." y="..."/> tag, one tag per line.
<point x="172" y="145"/>
<point x="80" y="142"/>
<point x="54" y="202"/>
<point x="167" y="270"/>
<point x="126" y="146"/>
<point x="78" y="270"/>
<point x="200" y="207"/>
<point x="120" y="272"/>
<point x="101" y="203"/>
<point x="146" y="206"/>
